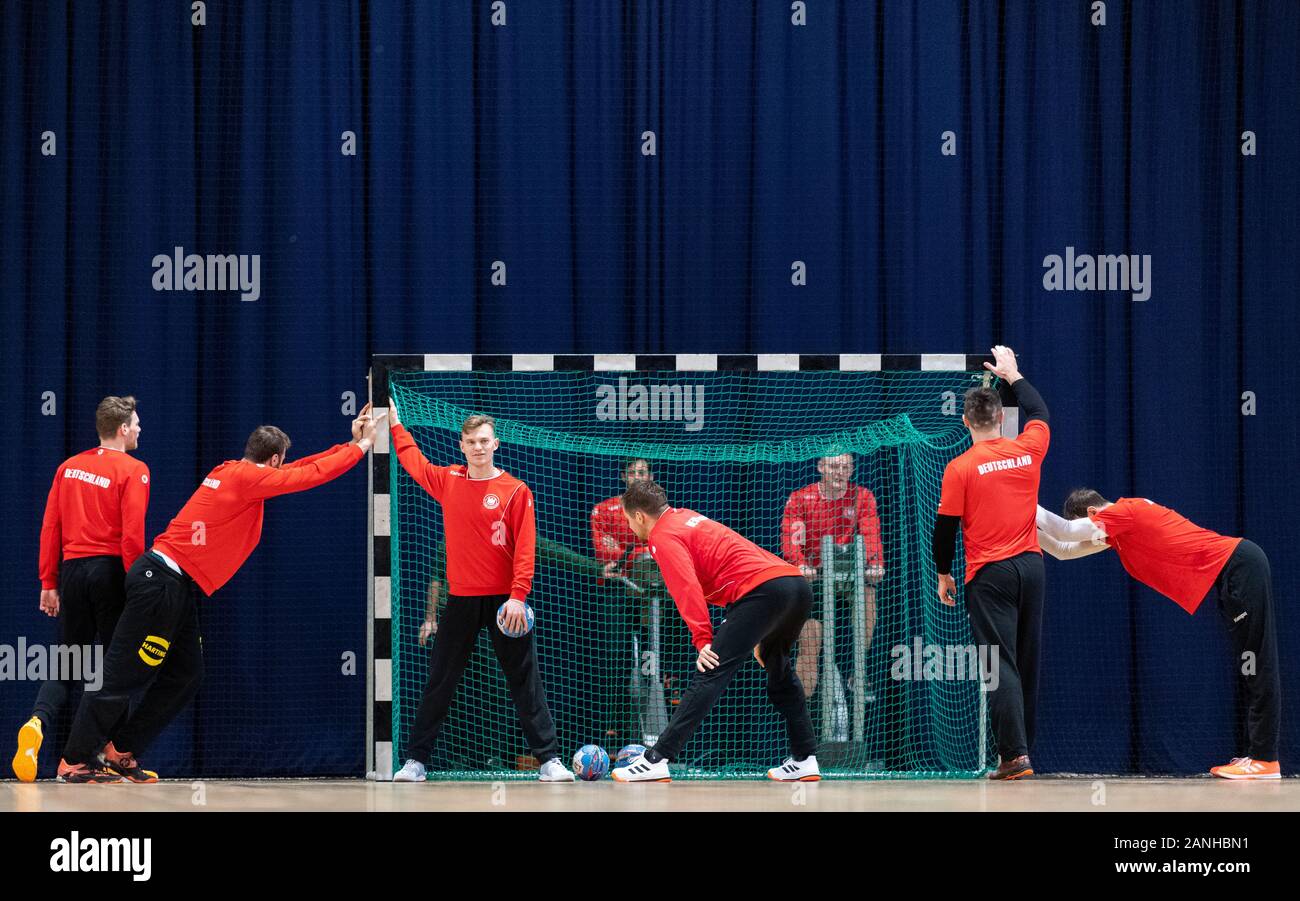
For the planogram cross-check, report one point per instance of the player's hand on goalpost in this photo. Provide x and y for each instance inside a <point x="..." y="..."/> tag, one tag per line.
<point x="948" y="587"/>
<point x="364" y="429"/>
<point x="392" y="412"/>
<point x="50" y="601"/>
<point x="1004" y="364"/>
<point x="516" y="619"/>
<point x="707" y="659"/>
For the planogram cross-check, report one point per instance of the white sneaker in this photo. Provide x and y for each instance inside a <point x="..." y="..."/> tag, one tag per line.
<point x="554" y="771"/>
<point x="796" y="770"/>
<point x="412" y="772"/>
<point x="642" y="770"/>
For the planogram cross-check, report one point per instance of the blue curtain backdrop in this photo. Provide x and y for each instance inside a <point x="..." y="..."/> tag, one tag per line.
<point x="773" y="143"/>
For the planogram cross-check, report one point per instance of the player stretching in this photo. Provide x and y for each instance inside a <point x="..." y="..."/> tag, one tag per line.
<point x="156" y="646"/>
<point x="992" y="491"/>
<point x="94" y="524"/>
<point x="491" y="533"/>
<point x="1183" y="561"/>
<point x="767" y="600"/>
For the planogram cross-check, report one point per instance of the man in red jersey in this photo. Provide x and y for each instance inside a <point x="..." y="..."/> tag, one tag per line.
<point x="491" y="533"/>
<point x="991" y="491"/>
<point x="703" y="562"/>
<point x="833" y="506"/>
<point x="1183" y="561"/>
<point x="156" y="647"/>
<point x="92" y="532"/>
<point x="614" y="543"/>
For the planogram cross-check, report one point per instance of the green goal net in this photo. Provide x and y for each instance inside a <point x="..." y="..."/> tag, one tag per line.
<point x="839" y="470"/>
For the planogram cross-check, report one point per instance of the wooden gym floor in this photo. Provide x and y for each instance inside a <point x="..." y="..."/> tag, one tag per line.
<point x="1042" y="794"/>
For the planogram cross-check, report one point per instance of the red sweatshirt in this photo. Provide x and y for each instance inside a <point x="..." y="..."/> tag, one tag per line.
<point x="221" y="523"/>
<point x="95" y="508"/>
<point x="704" y="562"/>
<point x="809" y="516"/>
<point x="611" y="536"/>
<point x="490" y="524"/>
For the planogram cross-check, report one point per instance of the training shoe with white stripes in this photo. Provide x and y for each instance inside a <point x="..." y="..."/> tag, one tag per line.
<point x="796" y="770"/>
<point x="412" y="772"/>
<point x="1248" y="768"/>
<point x="642" y="770"/>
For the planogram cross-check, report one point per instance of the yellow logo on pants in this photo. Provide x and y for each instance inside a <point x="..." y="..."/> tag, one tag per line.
<point x="153" y="649"/>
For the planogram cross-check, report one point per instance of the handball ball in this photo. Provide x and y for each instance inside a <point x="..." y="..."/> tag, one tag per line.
<point x="591" y="762"/>
<point x="627" y="755"/>
<point x="501" y="621"/>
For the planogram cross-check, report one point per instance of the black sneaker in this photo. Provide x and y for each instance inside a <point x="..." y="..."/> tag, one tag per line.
<point x="86" y="773"/>
<point x="1016" y="768"/>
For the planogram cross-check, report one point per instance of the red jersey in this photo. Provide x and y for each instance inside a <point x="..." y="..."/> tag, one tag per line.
<point x="221" y="523"/>
<point x="490" y="524"/>
<point x="993" y="487"/>
<point x="810" y="515"/>
<point x="703" y="562"/>
<point x="95" y="508"/>
<point x="1164" y="550"/>
<point x="611" y="536"/>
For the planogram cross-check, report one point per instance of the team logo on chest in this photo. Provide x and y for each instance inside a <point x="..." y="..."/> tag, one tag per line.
<point x="491" y="501"/>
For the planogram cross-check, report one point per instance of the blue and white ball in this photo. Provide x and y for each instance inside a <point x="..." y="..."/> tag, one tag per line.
<point x="627" y="755"/>
<point x="501" y="622"/>
<point x="591" y="762"/>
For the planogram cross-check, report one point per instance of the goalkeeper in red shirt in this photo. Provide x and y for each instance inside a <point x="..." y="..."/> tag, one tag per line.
<point x="1183" y="561"/>
<point x="491" y="533"/>
<point x="156" y="648"/>
<point x="767" y="600"/>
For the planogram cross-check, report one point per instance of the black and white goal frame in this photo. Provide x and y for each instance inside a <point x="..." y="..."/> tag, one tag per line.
<point x="379" y="670"/>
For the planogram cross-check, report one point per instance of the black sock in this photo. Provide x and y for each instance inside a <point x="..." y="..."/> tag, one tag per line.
<point x="653" y="756"/>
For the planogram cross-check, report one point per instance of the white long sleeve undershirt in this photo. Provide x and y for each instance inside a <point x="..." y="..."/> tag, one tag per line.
<point x="1069" y="539"/>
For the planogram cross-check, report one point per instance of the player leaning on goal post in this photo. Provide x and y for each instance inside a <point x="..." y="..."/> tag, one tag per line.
<point x="1182" y="561"/>
<point x="491" y="533"/>
<point x="93" y="530"/>
<point x="156" y="647"/>
<point x="703" y="562"/>
<point x="991" y="491"/>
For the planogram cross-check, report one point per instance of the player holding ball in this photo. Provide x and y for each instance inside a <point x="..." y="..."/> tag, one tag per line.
<point x="491" y="530"/>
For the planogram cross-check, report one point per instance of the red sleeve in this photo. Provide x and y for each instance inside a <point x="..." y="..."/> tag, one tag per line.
<point x="607" y="547"/>
<point x="792" y="521"/>
<point x="294" y="464"/>
<point x="52" y="536"/>
<point x="952" y="496"/>
<point x="523" y="525"/>
<point x="1116" y="519"/>
<point x="268" y="482"/>
<point x="1035" y="438"/>
<point x="431" y="478"/>
<point x="135" y="502"/>
<point x="869" y="527"/>
<point x="678" y="570"/>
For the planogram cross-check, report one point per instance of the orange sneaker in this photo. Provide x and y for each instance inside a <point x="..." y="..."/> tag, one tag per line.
<point x="29" y="746"/>
<point x="1248" y="768"/>
<point x="125" y="765"/>
<point x="86" y="773"/>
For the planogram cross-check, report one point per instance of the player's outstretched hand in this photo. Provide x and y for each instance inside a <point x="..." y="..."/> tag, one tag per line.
<point x="1004" y="364"/>
<point x="392" y="412"/>
<point x="50" y="601"/>
<point x="947" y="589"/>
<point x="358" y="424"/>
<point x="707" y="659"/>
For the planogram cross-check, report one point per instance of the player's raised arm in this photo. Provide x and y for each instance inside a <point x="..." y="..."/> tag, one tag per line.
<point x="274" y="480"/>
<point x="431" y="478"/>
